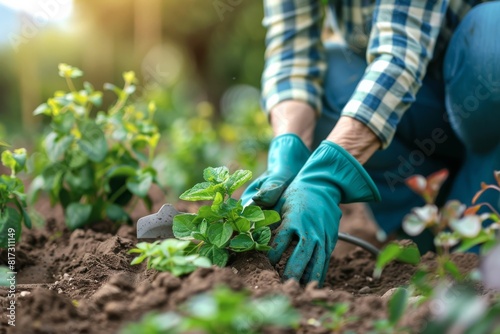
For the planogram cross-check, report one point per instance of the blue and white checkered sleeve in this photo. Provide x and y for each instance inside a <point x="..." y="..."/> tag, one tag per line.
<point x="401" y="45"/>
<point x="294" y="66"/>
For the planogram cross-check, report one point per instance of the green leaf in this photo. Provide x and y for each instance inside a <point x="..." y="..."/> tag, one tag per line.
<point x="57" y="147"/>
<point x="219" y="234"/>
<point x="242" y="225"/>
<point x="80" y="180"/>
<point x="467" y="227"/>
<point x="204" y="227"/>
<point x="9" y="219"/>
<point x="184" y="225"/>
<point x="237" y="179"/>
<point x="397" y="305"/>
<point x="386" y="255"/>
<point x="242" y="243"/>
<point x="413" y="225"/>
<point x="77" y="215"/>
<point x="271" y="217"/>
<point x="96" y="98"/>
<point x="216" y="175"/>
<point x="409" y="254"/>
<point x="123" y="170"/>
<point x="217" y="256"/>
<point x="253" y="213"/>
<point x="467" y="244"/>
<point x="140" y="184"/>
<point x="42" y="109"/>
<point x="201" y="192"/>
<point x="218" y="200"/>
<point x="67" y="71"/>
<point x="93" y="142"/>
<point x="205" y="213"/>
<point x="116" y="213"/>
<point x="113" y="88"/>
<point x="263" y="248"/>
<point x="199" y="236"/>
<point x="452" y="269"/>
<point x="202" y="262"/>
<point x="15" y="160"/>
<point x="26" y="217"/>
<point x="262" y="235"/>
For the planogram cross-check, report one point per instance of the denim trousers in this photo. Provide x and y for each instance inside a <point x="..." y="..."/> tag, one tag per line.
<point x="454" y="122"/>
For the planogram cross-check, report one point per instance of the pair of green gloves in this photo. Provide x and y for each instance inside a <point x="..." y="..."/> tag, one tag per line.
<point x="307" y="189"/>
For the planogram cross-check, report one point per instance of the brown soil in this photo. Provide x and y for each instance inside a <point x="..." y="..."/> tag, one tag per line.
<point x="82" y="281"/>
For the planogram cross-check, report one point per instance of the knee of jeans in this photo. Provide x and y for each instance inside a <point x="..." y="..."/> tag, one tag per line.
<point x="472" y="75"/>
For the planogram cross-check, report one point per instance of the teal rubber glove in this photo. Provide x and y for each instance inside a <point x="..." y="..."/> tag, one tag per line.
<point x="287" y="155"/>
<point x="310" y="210"/>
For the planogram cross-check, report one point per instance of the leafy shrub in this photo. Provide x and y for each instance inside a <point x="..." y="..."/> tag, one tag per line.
<point x="94" y="166"/>
<point x="12" y="198"/>
<point x="222" y="311"/>
<point x="225" y="225"/>
<point x="169" y="255"/>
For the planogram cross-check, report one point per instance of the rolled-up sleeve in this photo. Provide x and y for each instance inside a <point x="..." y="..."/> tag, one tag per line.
<point x="401" y="44"/>
<point x="294" y="66"/>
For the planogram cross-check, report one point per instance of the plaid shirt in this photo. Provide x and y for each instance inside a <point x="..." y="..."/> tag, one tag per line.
<point x="399" y="38"/>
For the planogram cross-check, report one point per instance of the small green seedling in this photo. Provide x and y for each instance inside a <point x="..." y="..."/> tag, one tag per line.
<point x="407" y="253"/>
<point x="223" y="311"/>
<point x="225" y="225"/>
<point x="93" y="162"/>
<point x="336" y="319"/>
<point x="12" y="198"/>
<point x="397" y="305"/>
<point x="169" y="255"/>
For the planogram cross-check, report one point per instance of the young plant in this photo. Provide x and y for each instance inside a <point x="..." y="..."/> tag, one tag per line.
<point x="12" y="198"/>
<point x="454" y="226"/>
<point x="169" y="255"/>
<point x="94" y="166"/>
<point x="223" y="311"/>
<point x="335" y="319"/>
<point x="397" y="305"/>
<point x="407" y="253"/>
<point x="225" y="225"/>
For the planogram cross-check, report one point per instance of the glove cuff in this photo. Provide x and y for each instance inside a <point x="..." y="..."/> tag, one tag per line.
<point x="348" y="174"/>
<point x="290" y="141"/>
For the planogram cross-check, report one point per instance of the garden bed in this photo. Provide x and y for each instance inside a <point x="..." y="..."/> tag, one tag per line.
<point x="82" y="281"/>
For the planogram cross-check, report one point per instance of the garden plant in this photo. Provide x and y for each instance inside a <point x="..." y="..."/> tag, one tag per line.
<point x="217" y="229"/>
<point x="13" y="211"/>
<point x="94" y="162"/>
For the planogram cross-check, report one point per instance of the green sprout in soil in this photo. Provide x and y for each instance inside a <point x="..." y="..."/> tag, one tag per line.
<point x="396" y="307"/>
<point x="94" y="162"/>
<point x="222" y="311"/>
<point x="335" y="319"/>
<point x="12" y="198"/>
<point x="224" y="226"/>
<point x="169" y="255"/>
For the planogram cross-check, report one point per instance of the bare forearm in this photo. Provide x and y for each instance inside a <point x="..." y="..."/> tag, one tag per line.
<point x="355" y="137"/>
<point x="294" y="117"/>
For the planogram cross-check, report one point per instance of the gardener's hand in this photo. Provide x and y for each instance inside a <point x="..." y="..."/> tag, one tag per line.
<point x="310" y="210"/>
<point x="287" y="155"/>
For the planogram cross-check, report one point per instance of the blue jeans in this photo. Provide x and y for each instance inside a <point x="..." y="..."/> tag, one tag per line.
<point x="454" y="123"/>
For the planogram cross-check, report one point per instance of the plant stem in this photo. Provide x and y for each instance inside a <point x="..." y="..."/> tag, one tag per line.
<point x="118" y="193"/>
<point x="70" y="84"/>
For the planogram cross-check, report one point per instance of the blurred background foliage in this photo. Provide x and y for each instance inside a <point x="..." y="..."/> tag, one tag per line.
<point x="200" y="61"/>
